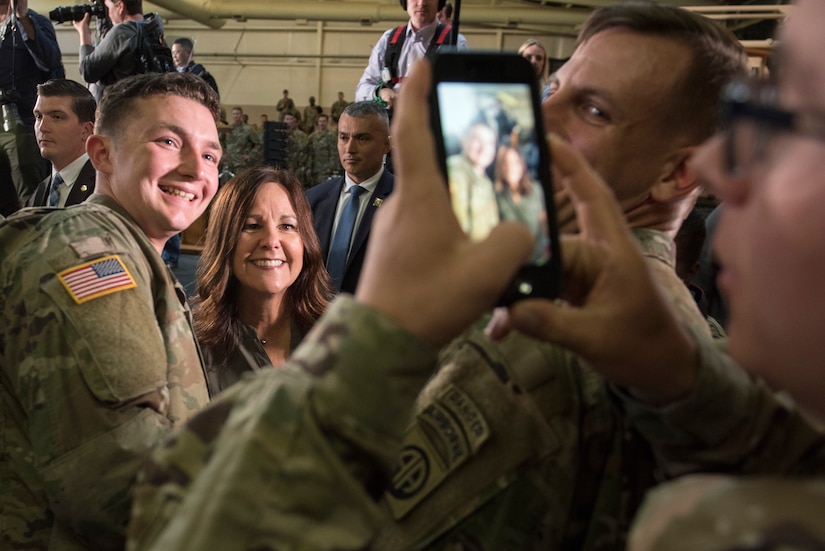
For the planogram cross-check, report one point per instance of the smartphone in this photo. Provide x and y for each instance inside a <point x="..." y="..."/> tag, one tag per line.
<point x="486" y="117"/>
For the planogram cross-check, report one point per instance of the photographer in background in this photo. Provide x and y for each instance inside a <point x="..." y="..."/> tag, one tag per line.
<point x="29" y="55"/>
<point x="182" y="50"/>
<point x="118" y="55"/>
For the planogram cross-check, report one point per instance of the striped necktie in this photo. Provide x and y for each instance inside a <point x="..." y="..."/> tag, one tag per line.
<point x="54" y="191"/>
<point x="339" y="249"/>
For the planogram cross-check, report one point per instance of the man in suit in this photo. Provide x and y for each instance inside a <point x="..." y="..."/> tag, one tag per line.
<point x="363" y="140"/>
<point x="64" y="116"/>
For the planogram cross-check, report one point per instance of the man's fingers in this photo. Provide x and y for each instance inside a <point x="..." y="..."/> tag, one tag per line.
<point x="414" y="151"/>
<point x="496" y="259"/>
<point x="554" y="322"/>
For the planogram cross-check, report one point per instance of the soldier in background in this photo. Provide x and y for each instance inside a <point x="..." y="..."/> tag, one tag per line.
<point x="297" y="144"/>
<point x="243" y="144"/>
<point x="338" y="108"/>
<point x="285" y="105"/>
<point x="311" y="113"/>
<point x="323" y="153"/>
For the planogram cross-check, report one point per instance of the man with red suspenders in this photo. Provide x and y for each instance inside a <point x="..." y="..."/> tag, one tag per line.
<point x="393" y="56"/>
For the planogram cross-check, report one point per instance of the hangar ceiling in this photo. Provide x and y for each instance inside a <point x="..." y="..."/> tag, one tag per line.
<point x="563" y="17"/>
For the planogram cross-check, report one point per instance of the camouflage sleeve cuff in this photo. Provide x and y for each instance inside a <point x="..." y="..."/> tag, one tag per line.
<point x="724" y="399"/>
<point x="379" y="369"/>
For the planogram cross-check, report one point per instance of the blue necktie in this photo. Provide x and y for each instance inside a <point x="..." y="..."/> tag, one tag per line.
<point x="54" y="191"/>
<point x="339" y="249"/>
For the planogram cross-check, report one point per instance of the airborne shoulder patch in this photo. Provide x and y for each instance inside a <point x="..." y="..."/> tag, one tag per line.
<point x="97" y="278"/>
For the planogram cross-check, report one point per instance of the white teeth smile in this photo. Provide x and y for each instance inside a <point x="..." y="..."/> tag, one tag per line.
<point x="178" y="193"/>
<point x="268" y="263"/>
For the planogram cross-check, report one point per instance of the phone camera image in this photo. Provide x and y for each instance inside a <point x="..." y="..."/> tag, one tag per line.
<point x="492" y="151"/>
<point x="493" y="159"/>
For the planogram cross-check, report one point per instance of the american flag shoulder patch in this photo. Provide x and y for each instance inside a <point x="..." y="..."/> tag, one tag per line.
<point x="95" y="279"/>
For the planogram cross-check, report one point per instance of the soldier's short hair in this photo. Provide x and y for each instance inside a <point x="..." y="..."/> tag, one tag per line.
<point x="368" y="108"/>
<point x="83" y="102"/>
<point x="117" y="104"/>
<point x="717" y="59"/>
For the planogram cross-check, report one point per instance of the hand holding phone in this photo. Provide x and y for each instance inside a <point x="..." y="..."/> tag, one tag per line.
<point x="491" y="145"/>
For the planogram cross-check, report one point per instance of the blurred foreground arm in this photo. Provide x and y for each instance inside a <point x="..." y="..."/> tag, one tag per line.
<point x="297" y="458"/>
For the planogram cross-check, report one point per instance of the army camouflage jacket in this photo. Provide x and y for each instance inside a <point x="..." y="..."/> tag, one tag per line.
<point x="97" y="361"/>
<point x="518" y="446"/>
<point x="293" y="458"/>
<point x="243" y="148"/>
<point x="747" y="430"/>
<point x="723" y="513"/>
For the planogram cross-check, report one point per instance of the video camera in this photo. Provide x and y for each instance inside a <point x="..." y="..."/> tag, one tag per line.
<point x="62" y="14"/>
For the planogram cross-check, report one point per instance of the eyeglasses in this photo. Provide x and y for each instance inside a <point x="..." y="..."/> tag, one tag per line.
<point x="756" y="123"/>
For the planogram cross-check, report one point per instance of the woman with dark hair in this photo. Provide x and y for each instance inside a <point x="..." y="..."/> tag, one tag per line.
<point x="519" y="198"/>
<point x="261" y="281"/>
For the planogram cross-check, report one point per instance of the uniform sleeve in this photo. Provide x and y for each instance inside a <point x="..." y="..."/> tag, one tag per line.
<point x="87" y="365"/>
<point x="294" y="458"/>
<point x="731" y="422"/>
<point x="365" y="90"/>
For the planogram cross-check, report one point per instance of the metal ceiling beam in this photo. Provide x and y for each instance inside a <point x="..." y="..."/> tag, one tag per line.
<point x="214" y="14"/>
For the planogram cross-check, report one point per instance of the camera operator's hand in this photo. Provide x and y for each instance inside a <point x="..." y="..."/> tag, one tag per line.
<point x="388" y="95"/>
<point x="22" y="10"/>
<point x="421" y="269"/>
<point x="84" y="29"/>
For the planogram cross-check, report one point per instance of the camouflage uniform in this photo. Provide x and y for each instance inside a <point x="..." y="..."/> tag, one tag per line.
<point x="297" y="157"/>
<point x="310" y="118"/>
<point x="520" y="446"/>
<point x="719" y="513"/>
<point x="473" y="198"/>
<point x="338" y="108"/>
<point x="284" y="106"/>
<point x="95" y="372"/>
<point x="292" y="458"/>
<point x="323" y="157"/>
<point x="732" y="425"/>
<point x="242" y="140"/>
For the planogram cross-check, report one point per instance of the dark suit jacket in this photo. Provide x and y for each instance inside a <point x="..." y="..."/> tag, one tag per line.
<point x="82" y="188"/>
<point x="323" y="200"/>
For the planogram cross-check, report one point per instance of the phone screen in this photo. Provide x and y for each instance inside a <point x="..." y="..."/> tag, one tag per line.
<point x="493" y="159"/>
<point x="492" y="150"/>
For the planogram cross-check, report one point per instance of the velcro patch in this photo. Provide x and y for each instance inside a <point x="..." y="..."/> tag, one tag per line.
<point x="95" y="279"/>
<point x="445" y="435"/>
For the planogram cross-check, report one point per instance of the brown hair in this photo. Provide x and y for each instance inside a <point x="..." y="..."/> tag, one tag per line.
<point x="83" y="102"/>
<point x="718" y="58"/>
<point x="500" y="177"/>
<point x="216" y="311"/>
<point x="117" y="105"/>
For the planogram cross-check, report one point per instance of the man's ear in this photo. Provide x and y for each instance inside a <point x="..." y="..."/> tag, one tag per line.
<point x="88" y="129"/>
<point x="388" y="145"/>
<point x="99" y="150"/>
<point x="677" y="179"/>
